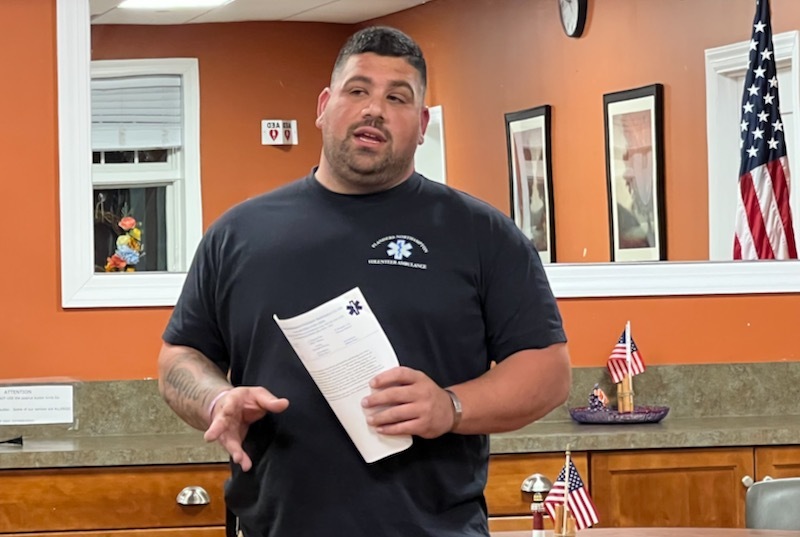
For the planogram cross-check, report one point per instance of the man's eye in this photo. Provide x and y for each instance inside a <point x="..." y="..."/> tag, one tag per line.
<point x="397" y="98"/>
<point x="357" y="91"/>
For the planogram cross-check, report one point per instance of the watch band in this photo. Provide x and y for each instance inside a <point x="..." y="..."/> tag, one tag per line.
<point x="456" y="408"/>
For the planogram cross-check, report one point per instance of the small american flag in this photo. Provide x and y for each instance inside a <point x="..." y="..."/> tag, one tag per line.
<point x="763" y="215"/>
<point x="617" y="362"/>
<point x="578" y="501"/>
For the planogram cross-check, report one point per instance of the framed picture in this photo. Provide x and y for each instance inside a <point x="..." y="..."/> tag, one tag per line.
<point x="634" y="125"/>
<point x="530" y="177"/>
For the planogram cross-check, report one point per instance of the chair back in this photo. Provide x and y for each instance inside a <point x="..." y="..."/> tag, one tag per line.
<point x="773" y="504"/>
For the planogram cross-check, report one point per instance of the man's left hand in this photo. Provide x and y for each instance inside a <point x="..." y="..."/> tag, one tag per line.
<point x="407" y="401"/>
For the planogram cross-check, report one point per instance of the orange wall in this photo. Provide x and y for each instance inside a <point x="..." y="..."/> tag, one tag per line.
<point x="487" y="57"/>
<point x="245" y="76"/>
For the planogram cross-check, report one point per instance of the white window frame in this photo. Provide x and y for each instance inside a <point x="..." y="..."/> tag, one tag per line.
<point x="81" y="286"/>
<point x="568" y="280"/>
<point x="181" y="174"/>
<point x="725" y="66"/>
<point x="144" y="172"/>
<point x="155" y="174"/>
<point x="430" y="159"/>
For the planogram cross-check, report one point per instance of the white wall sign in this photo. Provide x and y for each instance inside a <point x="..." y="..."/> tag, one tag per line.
<point x="278" y="132"/>
<point x="36" y="405"/>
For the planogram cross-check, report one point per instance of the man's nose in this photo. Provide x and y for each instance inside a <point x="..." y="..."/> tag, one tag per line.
<point x="373" y="108"/>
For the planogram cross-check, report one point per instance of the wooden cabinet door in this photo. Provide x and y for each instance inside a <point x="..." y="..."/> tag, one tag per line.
<point x="122" y="498"/>
<point x="507" y="508"/>
<point x="672" y="488"/>
<point x="782" y="461"/>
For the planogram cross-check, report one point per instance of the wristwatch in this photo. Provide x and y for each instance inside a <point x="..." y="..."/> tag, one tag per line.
<point x="456" y="408"/>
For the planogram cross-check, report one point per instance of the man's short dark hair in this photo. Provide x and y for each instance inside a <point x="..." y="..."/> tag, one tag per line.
<point x="384" y="41"/>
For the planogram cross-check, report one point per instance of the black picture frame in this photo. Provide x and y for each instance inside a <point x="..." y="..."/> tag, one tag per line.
<point x="634" y="145"/>
<point x="529" y="158"/>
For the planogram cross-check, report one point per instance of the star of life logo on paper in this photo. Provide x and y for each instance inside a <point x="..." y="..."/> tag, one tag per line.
<point x="399" y="250"/>
<point x="354" y="307"/>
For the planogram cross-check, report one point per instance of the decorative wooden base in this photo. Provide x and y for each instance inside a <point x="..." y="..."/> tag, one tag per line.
<point x="625" y="395"/>
<point x="559" y="528"/>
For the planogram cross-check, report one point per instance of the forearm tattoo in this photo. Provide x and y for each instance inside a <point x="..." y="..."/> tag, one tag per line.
<point x="190" y="384"/>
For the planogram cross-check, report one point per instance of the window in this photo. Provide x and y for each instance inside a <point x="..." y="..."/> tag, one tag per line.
<point x="119" y="244"/>
<point x="137" y="221"/>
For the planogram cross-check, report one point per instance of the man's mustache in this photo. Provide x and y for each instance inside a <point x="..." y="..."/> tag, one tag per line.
<point x="372" y="123"/>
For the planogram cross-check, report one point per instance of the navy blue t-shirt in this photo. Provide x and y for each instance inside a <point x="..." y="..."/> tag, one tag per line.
<point x="454" y="285"/>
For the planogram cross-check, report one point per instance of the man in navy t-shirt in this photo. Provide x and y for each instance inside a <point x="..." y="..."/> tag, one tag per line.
<point x="454" y="284"/>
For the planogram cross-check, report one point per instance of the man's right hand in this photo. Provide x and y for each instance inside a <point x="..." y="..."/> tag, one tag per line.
<point x="232" y="415"/>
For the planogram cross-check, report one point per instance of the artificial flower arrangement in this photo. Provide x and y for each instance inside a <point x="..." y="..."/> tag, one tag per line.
<point x="129" y="247"/>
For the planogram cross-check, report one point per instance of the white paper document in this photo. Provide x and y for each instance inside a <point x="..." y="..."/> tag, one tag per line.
<point x="343" y="346"/>
<point x="35" y="405"/>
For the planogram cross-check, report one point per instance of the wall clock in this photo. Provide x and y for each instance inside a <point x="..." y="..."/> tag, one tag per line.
<point x="573" y="16"/>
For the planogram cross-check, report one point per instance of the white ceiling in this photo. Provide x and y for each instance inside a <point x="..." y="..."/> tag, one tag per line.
<point x="337" y="11"/>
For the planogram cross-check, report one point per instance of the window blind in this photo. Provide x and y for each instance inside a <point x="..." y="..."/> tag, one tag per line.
<point x="137" y="112"/>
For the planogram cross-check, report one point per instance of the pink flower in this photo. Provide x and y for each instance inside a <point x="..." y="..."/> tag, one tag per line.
<point x="115" y="263"/>
<point x="127" y="223"/>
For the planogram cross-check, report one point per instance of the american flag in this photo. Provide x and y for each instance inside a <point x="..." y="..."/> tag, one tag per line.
<point x="617" y="362"/>
<point x="763" y="216"/>
<point x="579" y="501"/>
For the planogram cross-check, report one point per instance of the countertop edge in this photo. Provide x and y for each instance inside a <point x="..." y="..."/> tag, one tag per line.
<point x="542" y="437"/>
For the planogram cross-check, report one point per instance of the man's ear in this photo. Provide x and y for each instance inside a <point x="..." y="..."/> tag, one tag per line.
<point x="424" y="119"/>
<point x="322" y="102"/>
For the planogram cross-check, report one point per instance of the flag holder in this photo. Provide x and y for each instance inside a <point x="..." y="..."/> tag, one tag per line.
<point x="568" y="503"/>
<point x="564" y="527"/>
<point x="625" y="388"/>
<point x="625" y="395"/>
<point x="564" y="523"/>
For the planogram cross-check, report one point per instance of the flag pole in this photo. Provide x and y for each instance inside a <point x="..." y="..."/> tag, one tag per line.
<point x="629" y="379"/>
<point x="566" y="495"/>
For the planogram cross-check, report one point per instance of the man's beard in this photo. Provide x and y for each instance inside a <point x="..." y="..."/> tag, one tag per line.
<point x="362" y="167"/>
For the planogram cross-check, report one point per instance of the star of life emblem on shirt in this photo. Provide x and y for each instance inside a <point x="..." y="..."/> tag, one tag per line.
<point x="399" y="250"/>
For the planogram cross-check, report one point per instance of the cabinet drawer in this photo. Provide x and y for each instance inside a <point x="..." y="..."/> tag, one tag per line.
<point x="777" y="462"/>
<point x="507" y="472"/>
<point x="134" y="497"/>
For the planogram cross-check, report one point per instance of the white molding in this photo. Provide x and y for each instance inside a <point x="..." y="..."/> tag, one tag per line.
<point x="139" y="289"/>
<point x="673" y="278"/>
<point x="81" y="287"/>
<point x="74" y="132"/>
<point x="192" y="210"/>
